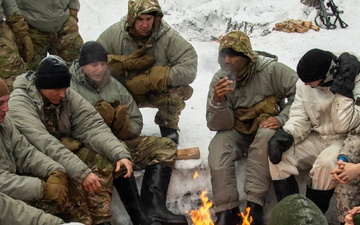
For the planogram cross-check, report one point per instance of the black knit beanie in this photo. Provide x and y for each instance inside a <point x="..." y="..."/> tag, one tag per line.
<point x="52" y="73"/>
<point x="92" y="52"/>
<point x="314" y="65"/>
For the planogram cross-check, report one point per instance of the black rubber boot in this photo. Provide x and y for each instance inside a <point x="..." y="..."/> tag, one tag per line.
<point x="153" y="194"/>
<point x="256" y="212"/>
<point x="228" y="217"/>
<point x="321" y="198"/>
<point x="285" y="187"/>
<point x="129" y="195"/>
<point x="170" y="133"/>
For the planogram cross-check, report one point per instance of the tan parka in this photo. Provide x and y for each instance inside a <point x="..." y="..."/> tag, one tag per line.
<point x="77" y="119"/>
<point x="268" y="78"/>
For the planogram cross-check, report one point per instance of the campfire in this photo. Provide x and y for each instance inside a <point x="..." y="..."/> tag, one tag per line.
<point x="202" y="215"/>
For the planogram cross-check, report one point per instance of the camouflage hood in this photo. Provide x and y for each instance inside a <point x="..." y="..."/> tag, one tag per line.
<point x="138" y="7"/>
<point x="239" y="42"/>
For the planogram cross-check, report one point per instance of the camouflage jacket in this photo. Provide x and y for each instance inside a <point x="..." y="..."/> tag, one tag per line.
<point x="167" y="45"/>
<point x="47" y="15"/>
<point x="77" y="119"/>
<point x="268" y="78"/>
<point x="110" y="92"/>
<point x="18" y="156"/>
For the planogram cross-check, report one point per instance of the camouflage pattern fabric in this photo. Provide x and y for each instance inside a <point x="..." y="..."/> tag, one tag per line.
<point x="99" y="202"/>
<point x="150" y="150"/>
<point x="347" y="195"/>
<point x="10" y="60"/>
<point x="138" y="7"/>
<point x="296" y="209"/>
<point x="66" y="43"/>
<point x="169" y="104"/>
<point x="88" y="208"/>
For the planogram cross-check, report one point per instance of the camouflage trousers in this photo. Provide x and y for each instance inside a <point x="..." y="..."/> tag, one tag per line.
<point x="146" y="151"/>
<point x="92" y="207"/>
<point x="10" y="60"/>
<point x="66" y="43"/>
<point x="169" y="104"/>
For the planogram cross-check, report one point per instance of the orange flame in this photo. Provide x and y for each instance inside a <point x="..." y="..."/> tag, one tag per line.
<point x="202" y="216"/>
<point x="245" y="216"/>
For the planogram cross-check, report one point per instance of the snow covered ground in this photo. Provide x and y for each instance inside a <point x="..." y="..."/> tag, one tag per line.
<point x="201" y="22"/>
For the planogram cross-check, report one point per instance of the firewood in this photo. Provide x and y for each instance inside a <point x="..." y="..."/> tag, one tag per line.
<point x="188" y="153"/>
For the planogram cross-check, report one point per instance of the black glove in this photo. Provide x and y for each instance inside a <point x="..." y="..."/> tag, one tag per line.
<point x="349" y="68"/>
<point x="279" y="143"/>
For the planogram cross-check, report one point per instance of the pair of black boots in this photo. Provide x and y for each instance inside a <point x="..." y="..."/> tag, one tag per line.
<point x="289" y="186"/>
<point x="150" y="208"/>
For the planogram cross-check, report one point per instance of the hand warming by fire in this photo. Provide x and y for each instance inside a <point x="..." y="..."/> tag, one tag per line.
<point x="202" y="215"/>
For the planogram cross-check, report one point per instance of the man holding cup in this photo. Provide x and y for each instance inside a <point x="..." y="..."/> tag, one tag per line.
<point x="245" y="112"/>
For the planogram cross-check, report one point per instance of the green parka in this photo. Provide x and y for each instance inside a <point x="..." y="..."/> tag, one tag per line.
<point x="111" y="90"/>
<point x="77" y="119"/>
<point x="16" y="212"/>
<point x="22" y="166"/>
<point x="167" y="45"/>
<point x="47" y="15"/>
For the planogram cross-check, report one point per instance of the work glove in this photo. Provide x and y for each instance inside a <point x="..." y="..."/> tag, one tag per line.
<point x="55" y="188"/>
<point x="73" y="13"/>
<point x="23" y="40"/>
<point x="279" y="143"/>
<point x="106" y="111"/>
<point x="71" y="143"/>
<point x="155" y="80"/>
<point x="349" y="68"/>
<point x="120" y="64"/>
<point x="122" y="124"/>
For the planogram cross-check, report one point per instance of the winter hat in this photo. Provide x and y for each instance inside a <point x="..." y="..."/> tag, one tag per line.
<point x="52" y="73"/>
<point x="314" y="65"/>
<point x="4" y="90"/>
<point x="92" y="52"/>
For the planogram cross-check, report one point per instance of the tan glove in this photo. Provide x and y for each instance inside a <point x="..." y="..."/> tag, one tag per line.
<point x="122" y="123"/>
<point x="20" y="29"/>
<point x="120" y="64"/>
<point x="106" y="111"/>
<point x="156" y="80"/>
<point x="73" y="13"/>
<point x="71" y="143"/>
<point x="55" y="188"/>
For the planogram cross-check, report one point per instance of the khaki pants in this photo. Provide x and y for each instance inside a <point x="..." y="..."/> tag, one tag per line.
<point x="229" y="146"/>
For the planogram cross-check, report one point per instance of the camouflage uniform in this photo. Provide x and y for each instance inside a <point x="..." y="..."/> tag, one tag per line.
<point x="145" y="150"/>
<point x="168" y="48"/>
<point x="52" y="29"/>
<point x="10" y="59"/>
<point x="73" y="118"/>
